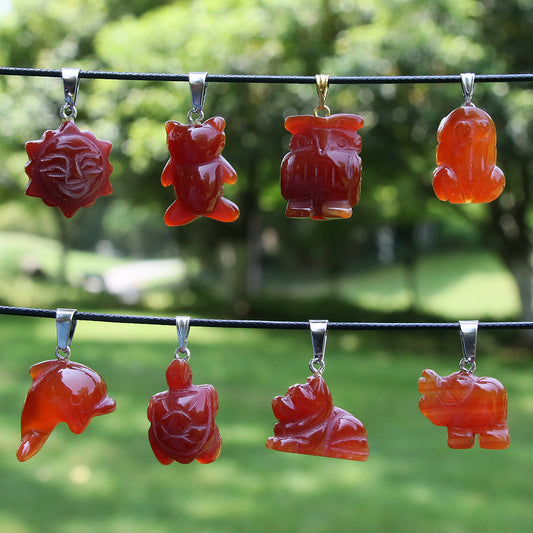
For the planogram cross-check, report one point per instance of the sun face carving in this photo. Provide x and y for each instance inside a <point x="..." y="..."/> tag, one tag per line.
<point x="68" y="168"/>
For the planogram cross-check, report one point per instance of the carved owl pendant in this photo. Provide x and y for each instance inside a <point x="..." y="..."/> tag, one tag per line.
<point x="198" y="172"/>
<point x="321" y="175"/>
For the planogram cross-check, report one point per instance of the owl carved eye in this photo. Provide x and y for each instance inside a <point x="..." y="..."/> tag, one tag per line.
<point x="301" y="142"/>
<point x="341" y="142"/>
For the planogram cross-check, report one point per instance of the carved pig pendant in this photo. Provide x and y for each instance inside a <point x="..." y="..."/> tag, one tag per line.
<point x="62" y="391"/>
<point x="467" y="405"/>
<point x="198" y="172"/>
<point x="182" y="419"/>
<point x="321" y="175"/>
<point x="68" y="168"/>
<point x="466" y="158"/>
<point x="309" y="423"/>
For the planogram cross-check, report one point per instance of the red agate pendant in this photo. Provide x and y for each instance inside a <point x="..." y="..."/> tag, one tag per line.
<point x="309" y="423"/>
<point x="62" y="391"/>
<point x="68" y="168"/>
<point x="466" y="155"/>
<point x="321" y="175"/>
<point x="466" y="404"/>
<point x="196" y="169"/>
<point x="198" y="172"/>
<point x="182" y="418"/>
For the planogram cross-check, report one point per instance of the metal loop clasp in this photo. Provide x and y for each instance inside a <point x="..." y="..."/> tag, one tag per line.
<point x="71" y="83"/>
<point x="319" y="335"/>
<point x="468" y="340"/>
<point x="467" y="83"/>
<point x="65" y="325"/>
<point x="183" y="325"/>
<point x="198" y="85"/>
<point x="322" y="89"/>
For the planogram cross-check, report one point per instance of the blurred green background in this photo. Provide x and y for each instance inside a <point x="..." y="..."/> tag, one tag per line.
<point x="403" y="256"/>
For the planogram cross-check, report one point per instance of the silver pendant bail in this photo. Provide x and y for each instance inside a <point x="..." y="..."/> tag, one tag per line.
<point x="71" y="83"/>
<point x="319" y="335"/>
<point x="468" y="340"/>
<point x="65" y="325"/>
<point x="198" y="85"/>
<point x="467" y="83"/>
<point x="183" y="325"/>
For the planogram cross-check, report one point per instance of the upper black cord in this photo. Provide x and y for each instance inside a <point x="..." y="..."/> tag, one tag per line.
<point x="252" y="78"/>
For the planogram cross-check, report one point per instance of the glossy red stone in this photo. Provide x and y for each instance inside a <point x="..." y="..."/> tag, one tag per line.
<point x="321" y="175"/>
<point x="466" y="158"/>
<point x="309" y="423"/>
<point x="198" y="172"/>
<point x="62" y="391"/>
<point x="467" y="405"/>
<point x="182" y="419"/>
<point x="68" y="168"/>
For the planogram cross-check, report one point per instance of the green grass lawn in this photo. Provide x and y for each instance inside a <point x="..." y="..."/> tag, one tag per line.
<point x="108" y="480"/>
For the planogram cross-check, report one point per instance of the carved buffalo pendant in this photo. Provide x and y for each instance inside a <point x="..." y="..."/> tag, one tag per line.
<point x="467" y="405"/>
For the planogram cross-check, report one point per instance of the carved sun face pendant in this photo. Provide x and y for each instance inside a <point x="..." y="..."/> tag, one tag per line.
<point x="68" y="168"/>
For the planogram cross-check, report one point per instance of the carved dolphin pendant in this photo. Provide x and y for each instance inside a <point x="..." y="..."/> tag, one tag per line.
<point x="62" y="391"/>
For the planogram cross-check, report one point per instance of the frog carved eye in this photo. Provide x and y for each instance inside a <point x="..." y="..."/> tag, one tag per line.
<point x="463" y="130"/>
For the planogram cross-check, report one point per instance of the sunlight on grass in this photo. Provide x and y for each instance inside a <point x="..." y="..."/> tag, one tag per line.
<point x="109" y="479"/>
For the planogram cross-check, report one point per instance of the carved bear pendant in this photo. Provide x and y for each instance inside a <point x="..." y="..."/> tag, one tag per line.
<point x="198" y="172"/>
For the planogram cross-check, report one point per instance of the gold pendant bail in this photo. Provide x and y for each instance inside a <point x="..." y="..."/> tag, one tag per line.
<point x="322" y="89"/>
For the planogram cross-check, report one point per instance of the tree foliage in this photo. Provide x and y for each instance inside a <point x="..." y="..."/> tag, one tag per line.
<point x="406" y="37"/>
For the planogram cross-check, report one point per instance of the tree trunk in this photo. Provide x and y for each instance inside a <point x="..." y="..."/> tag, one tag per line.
<point x="510" y="227"/>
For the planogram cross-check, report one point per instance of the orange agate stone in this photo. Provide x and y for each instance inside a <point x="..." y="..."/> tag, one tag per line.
<point x="61" y="391"/>
<point x="310" y="424"/>
<point x="68" y="168"/>
<point x="321" y="175"/>
<point x="198" y="172"/>
<point x="182" y="419"/>
<point x="467" y="405"/>
<point x="466" y="158"/>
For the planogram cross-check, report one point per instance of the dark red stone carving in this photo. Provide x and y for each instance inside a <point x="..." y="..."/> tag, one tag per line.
<point x="68" y="168"/>
<point x="467" y="405"/>
<point x="182" y="419"/>
<point x="198" y="172"/>
<point x="309" y="423"/>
